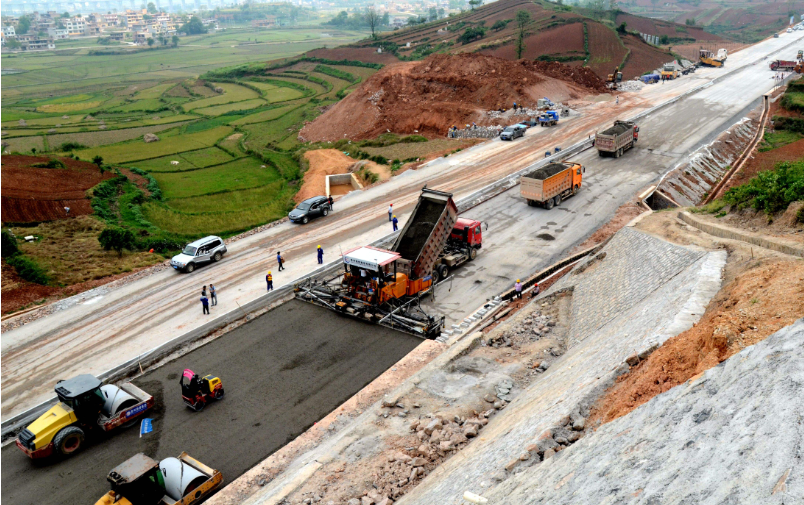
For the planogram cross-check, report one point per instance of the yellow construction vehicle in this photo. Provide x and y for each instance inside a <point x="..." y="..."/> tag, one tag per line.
<point x="84" y="405"/>
<point x="140" y="480"/>
<point x="614" y="78"/>
<point x="709" y="59"/>
<point x="669" y="72"/>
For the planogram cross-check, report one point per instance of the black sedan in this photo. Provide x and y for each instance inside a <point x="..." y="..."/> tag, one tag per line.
<point x="312" y="207"/>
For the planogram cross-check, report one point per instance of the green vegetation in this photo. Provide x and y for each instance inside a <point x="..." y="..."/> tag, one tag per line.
<point x="28" y="269"/>
<point x="778" y="138"/>
<point x="770" y="191"/>
<point x="117" y="239"/>
<point x="334" y="72"/>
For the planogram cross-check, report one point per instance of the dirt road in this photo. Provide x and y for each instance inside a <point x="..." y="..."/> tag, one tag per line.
<point x="94" y="335"/>
<point x="281" y="372"/>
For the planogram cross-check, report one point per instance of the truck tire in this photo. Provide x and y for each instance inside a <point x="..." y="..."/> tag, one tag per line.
<point x="68" y="440"/>
<point x="575" y="189"/>
<point x="189" y="268"/>
<point x="443" y="271"/>
<point x="472" y="254"/>
<point x="617" y="153"/>
<point x="601" y="153"/>
<point x="548" y="204"/>
<point x="558" y="200"/>
<point x="436" y="276"/>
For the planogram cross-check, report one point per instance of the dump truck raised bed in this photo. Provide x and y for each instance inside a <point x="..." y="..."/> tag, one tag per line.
<point x="85" y="405"/>
<point x="547" y="186"/>
<point x="617" y="139"/>
<point x="385" y="285"/>
<point x="140" y="480"/>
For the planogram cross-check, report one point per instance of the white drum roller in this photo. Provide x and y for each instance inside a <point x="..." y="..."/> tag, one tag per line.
<point x="116" y="400"/>
<point x="180" y="478"/>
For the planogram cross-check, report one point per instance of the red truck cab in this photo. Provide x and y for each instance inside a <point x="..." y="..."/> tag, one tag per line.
<point x="468" y="231"/>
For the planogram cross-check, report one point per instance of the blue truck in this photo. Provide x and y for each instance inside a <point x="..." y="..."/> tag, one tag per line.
<point x="548" y="118"/>
<point x="650" y="78"/>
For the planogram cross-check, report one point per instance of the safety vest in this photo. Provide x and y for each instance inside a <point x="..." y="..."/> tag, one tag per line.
<point x="269" y="278"/>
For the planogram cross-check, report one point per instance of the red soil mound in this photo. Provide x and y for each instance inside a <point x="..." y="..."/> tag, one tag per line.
<point x="643" y="57"/>
<point x="431" y="95"/>
<point x="32" y="194"/>
<point x="566" y="40"/>
<point x="365" y="54"/>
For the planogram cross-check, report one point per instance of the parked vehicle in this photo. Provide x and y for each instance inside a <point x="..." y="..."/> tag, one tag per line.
<point x="650" y="78"/>
<point x="548" y="118"/>
<point x="523" y="125"/>
<point x="530" y="123"/>
<point x="85" y="405"/>
<point x="669" y="72"/>
<point x="141" y="480"/>
<point x="786" y="65"/>
<point x="617" y="139"/>
<point x="549" y="185"/>
<point x="512" y="132"/>
<point x="196" y="253"/>
<point x="315" y="206"/>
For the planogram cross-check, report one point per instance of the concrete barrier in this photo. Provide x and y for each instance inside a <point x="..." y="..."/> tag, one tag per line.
<point x="341" y="180"/>
<point x="744" y="236"/>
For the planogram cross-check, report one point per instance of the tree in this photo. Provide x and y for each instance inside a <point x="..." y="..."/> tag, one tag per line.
<point x="175" y="40"/>
<point x="23" y="25"/>
<point x="117" y="239"/>
<point x="441" y="13"/>
<point x="689" y="21"/>
<point x="432" y="14"/>
<point x="9" y="244"/>
<point x="193" y="27"/>
<point x="500" y="24"/>
<point x="66" y="14"/>
<point x="664" y="40"/>
<point x="522" y="19"/>
<point x="472" y="33"/>
<point x="150" y="41"/>
<point x="33" y="150"/>
<point x="152" y="8"/>
<point x="622" y="29"/>
<point x="473" y="3"/>
<point x="386" y="19"/>
<point x="372" y="19"/>
<point x="13" y="44"/>
<point x="98" y="160"/>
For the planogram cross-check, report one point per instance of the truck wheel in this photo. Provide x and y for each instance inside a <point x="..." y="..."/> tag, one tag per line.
<point x="189" y="268"/>
<point x="68" y="440"/>
<point x="548" y="204"/>
<point x="472" y="254"/>
<point x="217" y="256"/>
<point x="436" y="276"/>
<point x="600" y="153"/>
<point x="558" y="200"/>
<point x="575" y="189"/>
<point x="443" y="271"/>
<point x="617" y="153"/>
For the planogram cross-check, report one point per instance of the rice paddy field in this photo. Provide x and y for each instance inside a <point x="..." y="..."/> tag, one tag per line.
<point x="225" y="156"/>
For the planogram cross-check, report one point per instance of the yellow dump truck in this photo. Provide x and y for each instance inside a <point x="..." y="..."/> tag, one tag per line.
<point x="140" y="480"/>
<point x="547" y="186"/>
<point x="85" y="404"/>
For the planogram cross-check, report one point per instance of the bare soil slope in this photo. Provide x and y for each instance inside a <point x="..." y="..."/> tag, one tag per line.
<point x="429" y="96"/>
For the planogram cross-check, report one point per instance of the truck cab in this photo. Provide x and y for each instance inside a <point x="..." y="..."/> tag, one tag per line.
<point x="468" y="231"/>
<point x="548" y="118"/>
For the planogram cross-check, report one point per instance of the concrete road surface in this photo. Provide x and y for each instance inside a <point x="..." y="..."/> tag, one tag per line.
<point x="97" y="331"/>
<point x="281" y="373"/>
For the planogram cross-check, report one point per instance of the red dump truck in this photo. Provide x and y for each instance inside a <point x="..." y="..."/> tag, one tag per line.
<point x="785" y="65"/>
<point x="385" y="285"/>
<point x="548" y="185"/>
<point x="620" y="137"/>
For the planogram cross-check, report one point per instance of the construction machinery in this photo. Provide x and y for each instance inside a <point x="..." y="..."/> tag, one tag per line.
<point x="548" y="118"/>
<point x="547" y="186"/>
<point x="615" y="77"/>
<point x="385" y="286"/>
<point x="710" y="59"/>
<point x="85" y="405"/>
<point x="650" y="78"/>
<point x="140" y="480"/>
<point x="669" y="72"/>
<point x="622" y="136"/>
<point x="197" y="391"/>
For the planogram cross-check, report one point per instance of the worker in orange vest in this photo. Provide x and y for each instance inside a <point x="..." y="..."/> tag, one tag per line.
<point x="269" y="279"/>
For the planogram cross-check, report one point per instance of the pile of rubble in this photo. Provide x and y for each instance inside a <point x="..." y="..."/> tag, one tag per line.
<point x="476" y="132"/>
<point x="630" y="85"/>
<point x="532" y="329"/>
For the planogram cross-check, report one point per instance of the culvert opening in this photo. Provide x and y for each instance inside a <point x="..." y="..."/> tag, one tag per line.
<point x="659" y="201"/>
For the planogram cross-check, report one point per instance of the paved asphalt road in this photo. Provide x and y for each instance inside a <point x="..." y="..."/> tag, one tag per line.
<point x="281" y="372"/>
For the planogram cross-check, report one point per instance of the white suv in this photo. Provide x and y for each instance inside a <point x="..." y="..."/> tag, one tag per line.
<point x="201" y="251"/>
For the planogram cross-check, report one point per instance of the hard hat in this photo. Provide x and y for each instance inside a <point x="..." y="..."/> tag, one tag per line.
<point x="517" y="280"/>
<point x="319" y="247"/>
<point x="269" y="272"/>
<point x="394" y="215"/>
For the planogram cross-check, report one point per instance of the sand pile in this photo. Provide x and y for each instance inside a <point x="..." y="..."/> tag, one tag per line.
<point x="430" y="96"/>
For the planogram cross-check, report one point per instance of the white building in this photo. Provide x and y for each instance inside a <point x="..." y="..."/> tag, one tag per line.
<point x="9" y="31"/>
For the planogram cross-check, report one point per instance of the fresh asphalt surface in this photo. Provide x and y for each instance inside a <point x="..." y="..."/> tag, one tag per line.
<point x="281" y="373"/>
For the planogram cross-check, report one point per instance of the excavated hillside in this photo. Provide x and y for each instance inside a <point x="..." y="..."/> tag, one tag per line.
<point x="427" y="97"/>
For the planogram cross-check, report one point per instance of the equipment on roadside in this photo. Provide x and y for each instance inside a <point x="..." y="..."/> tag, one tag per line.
<point x="549" y="185"/>
<point x="385" y="286"/>
<point x="84" y="405"/>
<point x="669" y="72"/>
<point x="548" y="118"/>
<point x="544" y="103"/>
<point x="197" y="391"/>
<point x="617" y="139"/>
<point x="650" y="78"/>
<point x="615" y="77"/>
<point x="709" y="59"/>
<point x="140" y="480"/>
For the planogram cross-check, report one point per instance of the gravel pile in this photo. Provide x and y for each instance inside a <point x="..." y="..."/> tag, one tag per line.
<point x="630" y="85"/>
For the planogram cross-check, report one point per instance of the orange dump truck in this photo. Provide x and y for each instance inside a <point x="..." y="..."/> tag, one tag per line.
<point x="548" y="185"/>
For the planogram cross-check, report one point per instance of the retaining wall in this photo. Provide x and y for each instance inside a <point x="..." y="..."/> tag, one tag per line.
<point x="731" y="233"/>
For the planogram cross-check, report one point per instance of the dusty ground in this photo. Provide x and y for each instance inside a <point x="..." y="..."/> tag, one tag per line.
<point x="762" y="293"/>
<point x="625" y="213"/>
<point x="783" y="224"/>
<point x="444" y="90"/>
<point x="55" y="189"/>
<point x="324" y="162"/>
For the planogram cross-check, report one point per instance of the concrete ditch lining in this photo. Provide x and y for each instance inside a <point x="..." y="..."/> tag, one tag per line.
<point x="9" y="426"/>
<point x="750" y="238"/>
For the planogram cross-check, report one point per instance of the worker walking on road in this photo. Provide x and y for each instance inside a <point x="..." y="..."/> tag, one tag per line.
<point x="269" y="280"/>
<point x="213" y="294"/>
<point x="395" y="222"/>
<point x="320" y="256"/>
<point x="518" y="289"/>
<point x="205" y="304"/>
<point x="391" y="212"/>
<point x="280" y="260"/>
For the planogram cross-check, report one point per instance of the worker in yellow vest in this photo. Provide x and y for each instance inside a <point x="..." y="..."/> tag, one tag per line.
<point x="269" y="279"/>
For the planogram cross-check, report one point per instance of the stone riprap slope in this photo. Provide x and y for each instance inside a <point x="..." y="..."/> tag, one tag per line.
<point x="732" y="436"/>
<point x="642" y="291"/>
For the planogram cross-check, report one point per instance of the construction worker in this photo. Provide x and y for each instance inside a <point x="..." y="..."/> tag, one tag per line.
<point x="535" y="291"/>
<point x="331" y="203"/>
<point x="391" y="212"/>
<point x="617" y="101"/>
<point x="213" y="294"/>
<point x="269" y="279"/>
<point x="320" y="256"/>
<point x="395" y="222"/>
<point x="205" y="304"/>
<point x="518" y="289"/>
<point x="280" y="260"/>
